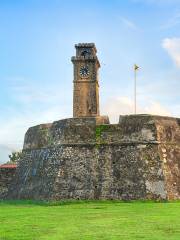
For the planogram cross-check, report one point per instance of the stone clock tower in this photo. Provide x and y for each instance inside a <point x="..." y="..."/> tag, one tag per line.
<point x="86" y="86"/>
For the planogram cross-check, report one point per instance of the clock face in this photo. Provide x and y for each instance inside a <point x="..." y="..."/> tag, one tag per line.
<point x="84" y="71"/>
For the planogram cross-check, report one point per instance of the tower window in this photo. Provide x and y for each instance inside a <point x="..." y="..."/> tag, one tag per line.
<point x="85" y="53"/>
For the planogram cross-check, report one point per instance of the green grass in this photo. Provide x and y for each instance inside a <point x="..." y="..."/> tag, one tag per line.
<point x="101" y="220"/>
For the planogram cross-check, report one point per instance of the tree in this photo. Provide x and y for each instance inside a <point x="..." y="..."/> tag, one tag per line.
<point x="15" y="157"/>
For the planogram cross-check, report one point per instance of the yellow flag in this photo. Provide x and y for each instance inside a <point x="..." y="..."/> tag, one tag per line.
<point x="136" y="67"/>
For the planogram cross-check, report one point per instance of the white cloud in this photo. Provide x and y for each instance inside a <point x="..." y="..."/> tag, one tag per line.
<point x="176" y="110"/>
<point x="113" y="107"/>
<point x="13" y="129"/>
<point x="36" y="105"/>
<point x="4" y="152"/>
<point x="156" y="108"/>
<point x="172" y="22"/>
<point x="129" y="23"/>
<point x="122" y="105"/>
<point x="172" y="46"/>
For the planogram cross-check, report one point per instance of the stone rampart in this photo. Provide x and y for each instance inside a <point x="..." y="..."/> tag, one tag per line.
<point x="88" y="158"/>
<point x="7" y="174"/>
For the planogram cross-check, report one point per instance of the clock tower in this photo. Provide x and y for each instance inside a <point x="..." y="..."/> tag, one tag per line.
<point x="86" y="86"/>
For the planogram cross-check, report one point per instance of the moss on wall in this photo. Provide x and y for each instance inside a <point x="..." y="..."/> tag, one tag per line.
<point x="99" y="130"/>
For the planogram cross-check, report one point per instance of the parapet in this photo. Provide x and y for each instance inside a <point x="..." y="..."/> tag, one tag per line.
<point x="131" y="129"/>
<point x="67" y="131"/>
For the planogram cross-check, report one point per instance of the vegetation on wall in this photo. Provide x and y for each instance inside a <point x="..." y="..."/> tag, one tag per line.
<point x="99" y="130"/>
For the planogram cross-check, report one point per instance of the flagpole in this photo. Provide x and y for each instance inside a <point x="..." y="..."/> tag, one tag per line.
<point x="136" y="67"/>
<point x="135" y="90"/>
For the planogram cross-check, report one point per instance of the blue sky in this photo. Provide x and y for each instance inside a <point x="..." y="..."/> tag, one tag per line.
<point x="37" y="40"/>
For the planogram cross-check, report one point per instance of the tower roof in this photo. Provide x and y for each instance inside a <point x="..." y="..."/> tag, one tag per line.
<point x="86" y="45"/>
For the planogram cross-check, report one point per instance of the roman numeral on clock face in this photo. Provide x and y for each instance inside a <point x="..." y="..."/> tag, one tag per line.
<point x="84" y="71"/>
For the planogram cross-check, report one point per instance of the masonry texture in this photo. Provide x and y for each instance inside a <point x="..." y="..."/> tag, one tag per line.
<point x="7" y="174"/>
<point x="88" y="158"/>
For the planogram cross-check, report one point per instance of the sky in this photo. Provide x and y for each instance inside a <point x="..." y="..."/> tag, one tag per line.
<point x="37" y="39"/>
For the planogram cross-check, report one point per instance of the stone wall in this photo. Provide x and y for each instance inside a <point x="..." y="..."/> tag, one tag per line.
<point x="7" y="174"/>
<point x="168" y="135"/>
<point x="81" y="158"/>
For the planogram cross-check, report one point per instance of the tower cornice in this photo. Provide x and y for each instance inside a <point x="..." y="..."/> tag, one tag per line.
<point x="85" y="59"/>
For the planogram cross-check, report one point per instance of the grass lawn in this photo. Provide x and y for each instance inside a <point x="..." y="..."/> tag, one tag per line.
<point x="103" y="220"/>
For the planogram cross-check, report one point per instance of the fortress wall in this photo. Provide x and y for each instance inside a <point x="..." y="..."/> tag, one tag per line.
<point x="80" y="159"/>
<point x="90" y="172"/>
<point x="168" y="135"/>
<point x="6" y="177"/>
